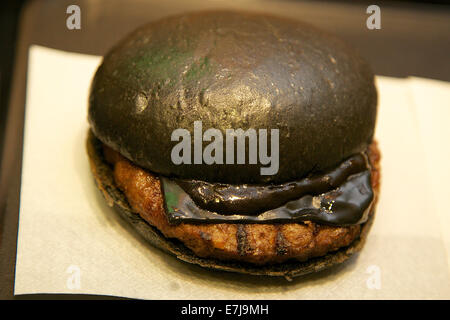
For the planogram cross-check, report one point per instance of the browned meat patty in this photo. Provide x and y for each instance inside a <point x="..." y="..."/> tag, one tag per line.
<point x="253" y="243"/>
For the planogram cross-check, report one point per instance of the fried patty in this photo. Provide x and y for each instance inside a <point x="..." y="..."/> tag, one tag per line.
<point x="251" y="243"/>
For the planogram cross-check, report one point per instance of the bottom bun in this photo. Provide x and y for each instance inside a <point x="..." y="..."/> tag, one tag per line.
<point x="115" y="198"/>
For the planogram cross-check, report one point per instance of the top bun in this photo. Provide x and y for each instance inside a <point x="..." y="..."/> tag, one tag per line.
<point x="234" y="70"/>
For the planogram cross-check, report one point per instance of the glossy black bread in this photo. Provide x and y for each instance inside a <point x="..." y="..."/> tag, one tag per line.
<point x="234" y="70"/>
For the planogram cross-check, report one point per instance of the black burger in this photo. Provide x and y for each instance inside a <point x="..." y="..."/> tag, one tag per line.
<point x="238" y="141"/>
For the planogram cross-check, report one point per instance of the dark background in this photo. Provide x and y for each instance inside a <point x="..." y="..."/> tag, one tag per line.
<point x="414" y="40"/>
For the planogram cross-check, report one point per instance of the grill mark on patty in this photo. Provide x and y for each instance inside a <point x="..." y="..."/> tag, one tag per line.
<point x="280" y="242"/>
<point x="242" y="242"/>
<point x="316" y="229"/>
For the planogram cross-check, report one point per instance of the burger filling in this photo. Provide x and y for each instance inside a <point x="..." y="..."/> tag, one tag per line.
<point x="298" y="234"/>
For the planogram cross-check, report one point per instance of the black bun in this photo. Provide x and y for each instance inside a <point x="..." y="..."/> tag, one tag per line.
<point x="234" y="70"/>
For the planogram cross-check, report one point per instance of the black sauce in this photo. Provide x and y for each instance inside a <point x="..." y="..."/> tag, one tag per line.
<point x="342" y="196"/>
<point x="254" y="199"/>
